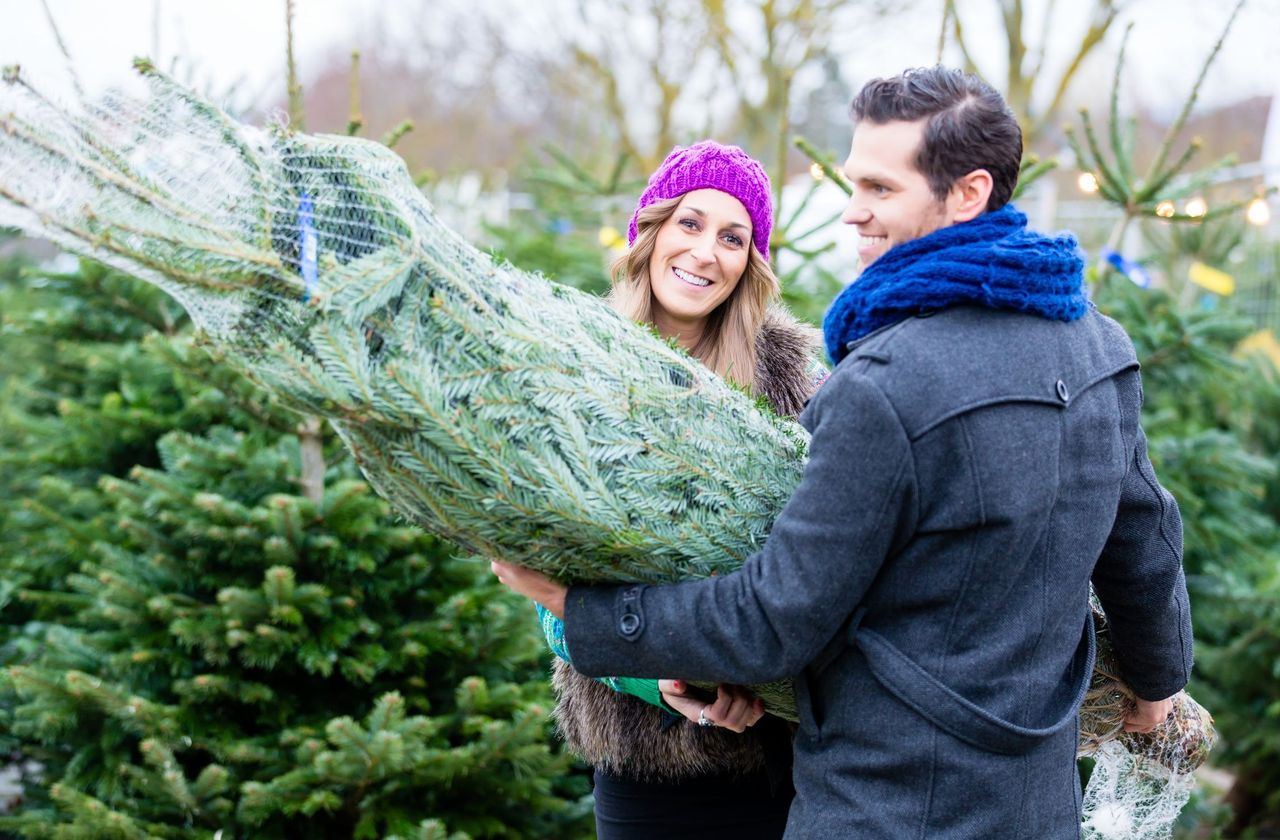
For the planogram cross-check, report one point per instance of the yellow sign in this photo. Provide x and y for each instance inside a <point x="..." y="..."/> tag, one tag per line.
<point x="1218" y="282"/>
<point x="1262" y="343"/>
<point x="609" y="237"/>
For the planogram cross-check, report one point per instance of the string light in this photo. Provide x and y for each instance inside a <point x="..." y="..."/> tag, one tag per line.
<point x="1087" y="182"/>
<point x="1258" y="213"/>
<point x="816" y="171"/>
<point x="1196" y="207"/>
<point x="1165" y="209"/>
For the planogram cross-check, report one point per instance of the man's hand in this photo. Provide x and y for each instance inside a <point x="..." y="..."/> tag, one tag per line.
<point x="1147" y="714"/>
<point x="734" y="708"/>
<point x="533" y="585"/>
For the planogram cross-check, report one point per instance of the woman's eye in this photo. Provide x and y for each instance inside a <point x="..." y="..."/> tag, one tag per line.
<point x="734" y="240"/>
<point x="689" y="224"/>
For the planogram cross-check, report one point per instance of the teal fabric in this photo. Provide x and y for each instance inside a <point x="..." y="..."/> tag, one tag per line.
<point x="646" y="690"/>
<point x="553" y="629"/>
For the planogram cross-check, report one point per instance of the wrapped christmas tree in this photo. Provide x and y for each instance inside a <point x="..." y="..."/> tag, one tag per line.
<point x="515" y="417"/>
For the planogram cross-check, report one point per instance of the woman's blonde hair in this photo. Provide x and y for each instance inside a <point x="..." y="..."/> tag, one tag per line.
<point x="728" y="343"/>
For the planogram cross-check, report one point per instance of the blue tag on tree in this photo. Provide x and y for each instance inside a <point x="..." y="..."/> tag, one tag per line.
<point x="308" y="245"/>
<point x="1134" y="271"/>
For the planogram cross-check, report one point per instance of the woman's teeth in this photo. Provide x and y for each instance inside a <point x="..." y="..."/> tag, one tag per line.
<point x="691" y="279"/>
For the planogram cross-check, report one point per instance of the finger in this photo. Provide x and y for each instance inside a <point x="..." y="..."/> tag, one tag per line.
<point x="685" y="706"/>
<point x="740" y="711"/>
<point x="752" y="710"/>
<point x="734" y="716"/>
<point x="714" y="711"/>
<point x="720" y="707"/>
<point x="1140" y="723"/>
<point x="674" y="687"/>
<point x="1147" y="716"/>
<point x="755" y="711"/>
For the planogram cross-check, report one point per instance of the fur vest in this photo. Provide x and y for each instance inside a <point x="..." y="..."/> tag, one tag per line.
<point x="626" y="736"/>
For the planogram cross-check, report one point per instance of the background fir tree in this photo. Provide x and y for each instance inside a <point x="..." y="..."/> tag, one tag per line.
<point x="195" y="646"/>
<point x="1212" y="420"/>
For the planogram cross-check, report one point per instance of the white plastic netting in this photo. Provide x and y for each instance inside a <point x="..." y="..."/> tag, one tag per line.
<point x="1140" y="782"/>
<point x="516" y="417"/>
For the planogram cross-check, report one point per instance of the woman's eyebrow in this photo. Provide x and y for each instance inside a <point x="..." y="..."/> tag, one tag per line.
<point x="702" y="214"/>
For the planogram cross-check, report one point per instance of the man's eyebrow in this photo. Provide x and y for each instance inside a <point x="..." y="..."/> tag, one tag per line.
<point x="876" y="178"/>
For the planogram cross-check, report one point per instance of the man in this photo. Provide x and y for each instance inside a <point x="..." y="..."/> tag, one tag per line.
<point x="976" y="461"/>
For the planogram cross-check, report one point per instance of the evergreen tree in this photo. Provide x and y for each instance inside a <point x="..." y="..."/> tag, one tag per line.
<point x="1213" y="424"/>
<point x="194" y="646"/>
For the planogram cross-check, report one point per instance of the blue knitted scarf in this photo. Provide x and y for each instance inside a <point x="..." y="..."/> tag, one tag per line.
<point x="991" y="261"/>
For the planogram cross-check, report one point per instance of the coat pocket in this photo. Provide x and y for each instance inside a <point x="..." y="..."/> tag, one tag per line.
<point x="947" y="710"/>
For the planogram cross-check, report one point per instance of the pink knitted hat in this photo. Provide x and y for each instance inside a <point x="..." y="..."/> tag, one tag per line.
<point x="708" y="165"/>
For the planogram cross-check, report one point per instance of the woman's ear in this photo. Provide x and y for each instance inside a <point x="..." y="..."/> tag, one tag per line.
<point x="970" y="194"/>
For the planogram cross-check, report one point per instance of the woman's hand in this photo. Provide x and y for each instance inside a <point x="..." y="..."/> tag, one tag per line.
<point x="734" y="708"/>
<point x="533" y="585"/>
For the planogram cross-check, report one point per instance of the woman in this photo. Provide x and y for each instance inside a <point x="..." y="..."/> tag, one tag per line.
<point x="698" y="271"/>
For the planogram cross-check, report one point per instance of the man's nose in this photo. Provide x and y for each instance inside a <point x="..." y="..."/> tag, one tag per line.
<point x="855" y="212"/>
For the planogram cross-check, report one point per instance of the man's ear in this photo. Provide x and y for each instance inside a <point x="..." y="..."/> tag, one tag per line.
<point x="969" y="195"/>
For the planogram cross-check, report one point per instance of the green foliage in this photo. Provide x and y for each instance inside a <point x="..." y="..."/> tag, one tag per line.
<point x="1114" y="162"/>
<point x="567" y="255"/>
<point x="192" y="646"/>
<point x="1213" y="424"/>
<point x="572" y="211"/>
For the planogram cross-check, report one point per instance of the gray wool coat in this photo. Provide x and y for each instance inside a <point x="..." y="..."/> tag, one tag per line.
<point x="970" y="473"/>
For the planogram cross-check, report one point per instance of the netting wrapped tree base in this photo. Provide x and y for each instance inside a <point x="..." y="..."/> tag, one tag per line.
<point x="1140" y="781"/>
<point x="515" y="417"/>
<point x="1130" y="797"/>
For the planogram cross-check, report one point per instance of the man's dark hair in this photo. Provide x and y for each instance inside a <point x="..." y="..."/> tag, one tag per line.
<point x="968" y="126"/>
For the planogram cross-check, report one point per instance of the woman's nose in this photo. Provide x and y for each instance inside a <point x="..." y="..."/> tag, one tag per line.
<point x="703" y="249"/>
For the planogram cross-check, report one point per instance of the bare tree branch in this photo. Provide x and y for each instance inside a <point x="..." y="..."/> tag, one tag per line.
<point x="1043" y="47"/>
<point x="957" y="32"/>
<point x="1103" y="15"/>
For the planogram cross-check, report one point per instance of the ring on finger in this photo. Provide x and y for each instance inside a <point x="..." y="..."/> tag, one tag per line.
<point x="703" y="720"/>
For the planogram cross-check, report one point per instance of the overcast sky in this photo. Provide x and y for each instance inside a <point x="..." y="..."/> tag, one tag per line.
<point x="228" y="40"/>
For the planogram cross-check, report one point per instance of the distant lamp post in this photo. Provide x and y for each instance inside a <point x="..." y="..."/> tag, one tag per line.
<point x="816" y="171"/>
<point x="1258" y="213"/>
<point x="1196" y="208"/>
<point x="1166" y="209"/>
<point x="1087" y="182"/>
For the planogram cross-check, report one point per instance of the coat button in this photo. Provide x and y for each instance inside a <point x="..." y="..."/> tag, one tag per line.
<point x="629" y="625"/>
<point x="1062" y="391"/>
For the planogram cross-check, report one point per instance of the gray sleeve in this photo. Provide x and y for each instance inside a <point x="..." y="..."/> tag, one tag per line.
<point x="775" y="614"/>
<point x="1140" y="583"/>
